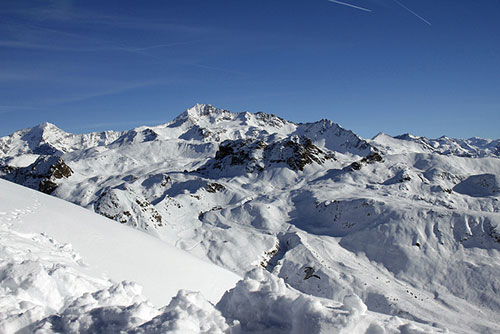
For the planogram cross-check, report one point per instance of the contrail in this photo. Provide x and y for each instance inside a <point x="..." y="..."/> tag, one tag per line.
<point x="408" y="9"/>
<point x="349" y="5"/>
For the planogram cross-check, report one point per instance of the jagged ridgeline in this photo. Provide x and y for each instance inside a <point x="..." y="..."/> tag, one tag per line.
<point x="409" y="224"/>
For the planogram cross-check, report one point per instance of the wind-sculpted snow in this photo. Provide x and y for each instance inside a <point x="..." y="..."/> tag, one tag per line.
<point x="407" y="227"/>
<point x="262" y="303"/>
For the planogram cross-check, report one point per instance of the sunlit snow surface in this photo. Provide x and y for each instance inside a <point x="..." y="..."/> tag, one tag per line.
<point x="48" y="287"/>
<point x="404" y="242"/>
<point x="53" y="252"/>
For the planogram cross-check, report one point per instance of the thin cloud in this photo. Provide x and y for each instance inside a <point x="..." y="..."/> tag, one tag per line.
<point x="167" y="45"/>
<point x="217" y="69"/>
<point x="7" y="109"/>
<point x="117" y="89"/>
<point x="73" y="42"/>
<point x="349" y="5"/>
<point x="411" y="11"/>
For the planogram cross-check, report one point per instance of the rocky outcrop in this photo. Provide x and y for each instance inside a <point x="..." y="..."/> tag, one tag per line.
<point x="126" y="207"/>
<point x="256" y="155"/>
<point x="43" y="175"/>
<point x="369" y="159"/>
<point x="296" y="152"/>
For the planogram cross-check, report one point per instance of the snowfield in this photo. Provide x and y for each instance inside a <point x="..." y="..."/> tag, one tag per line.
<point x="53" y="252"/>
<point x="247" y="223"/>
<point x="48" y="287"/>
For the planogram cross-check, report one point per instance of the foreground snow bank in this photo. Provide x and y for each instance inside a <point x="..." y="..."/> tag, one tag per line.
<point x="112" y="250"/>
<point x="264" y="303"/>
<point x="261" y="303"/>
<point x="42" y="292"/>
<point x="122" y="309"/>
<point x="37" y="278"/>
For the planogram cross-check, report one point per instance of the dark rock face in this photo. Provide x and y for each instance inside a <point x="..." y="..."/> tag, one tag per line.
<point x="126" y="207"/>
<point x="296" y="152"/>
<point x="214" y="187"/>
<point x="372" y="157"/>
<point x="41" y="175"/>
<point x="256" y="155"/>
<point x="47" y="186"/>
<point x="369" y="159"/>
<point x="241" y="152"/>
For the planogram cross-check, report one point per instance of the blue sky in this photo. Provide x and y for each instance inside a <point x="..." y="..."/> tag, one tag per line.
<point x="428" y="67"/>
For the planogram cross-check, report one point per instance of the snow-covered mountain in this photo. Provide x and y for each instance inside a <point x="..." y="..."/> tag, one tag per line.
<point x="408" y="224"/>
<point x="472" y="147"/>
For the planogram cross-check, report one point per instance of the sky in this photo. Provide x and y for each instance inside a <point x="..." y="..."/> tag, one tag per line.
<point x="426" y="67"/>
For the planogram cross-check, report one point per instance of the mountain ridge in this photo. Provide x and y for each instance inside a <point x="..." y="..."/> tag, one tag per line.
<point x="388" y="219"/>
<point x="195" y="124"/>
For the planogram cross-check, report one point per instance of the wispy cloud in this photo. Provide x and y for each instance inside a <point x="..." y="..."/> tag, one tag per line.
<point x="4" y="109"/>
<point x="350" y="5"/>
<point x="60" y="25"/>
<point x="115" y="89"/>
<point x="412" y="12"/>
<point x="63" y="11"/>
<point x="217" y="69"/>
<point x="166" y="45"/>
<point x="30" y="36"/>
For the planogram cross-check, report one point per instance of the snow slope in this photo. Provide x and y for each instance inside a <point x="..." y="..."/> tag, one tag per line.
<point x="410" y="226"/>
<point x="97" y="247"/>
<point x="47" y="286"/>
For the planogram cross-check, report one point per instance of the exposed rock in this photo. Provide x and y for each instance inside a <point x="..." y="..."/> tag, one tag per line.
<point x="296" y="152"/>
<point x="309" y="272"/>
<point x="255" y="155"/>
<point x="214" y="187"/>
<point x="41" y="175"/>
<point x="126" y="207"/>
<point x="369" y="159"/>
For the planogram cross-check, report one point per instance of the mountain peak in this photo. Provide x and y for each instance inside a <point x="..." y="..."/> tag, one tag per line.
<point x="200" y="110"/>
<point x="42" y="129"/>
<point x="380" y="135"/>
<point x="47" y="125"/>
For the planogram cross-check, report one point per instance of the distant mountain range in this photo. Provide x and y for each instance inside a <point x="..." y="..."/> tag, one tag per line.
<point x="411" y="225"/>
